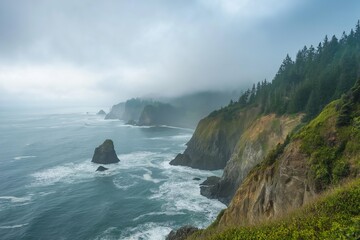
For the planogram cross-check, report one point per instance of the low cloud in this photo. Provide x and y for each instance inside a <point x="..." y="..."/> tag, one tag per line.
<point x="98" y="53"/>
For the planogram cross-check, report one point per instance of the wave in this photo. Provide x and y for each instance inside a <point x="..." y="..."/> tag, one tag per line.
<point x="86" y="170"/>
<point x="149" y="231"/>
<point x="16" y="199"/>
<point x="13" y="226"/>
<point x="158" y="214"/>
<point x="23" y="157"/>
<point x="182" y="193"/>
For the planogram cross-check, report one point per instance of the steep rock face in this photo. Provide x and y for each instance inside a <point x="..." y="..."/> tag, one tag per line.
<point x="159" y="114"/>
<point x="257" y="140"/>
<point x="215" y="139"/>
<point x="116" y="111"/>
<point x="319" y="155"/>
<point x="271" y="191"/>
<point x="105" y="153"/>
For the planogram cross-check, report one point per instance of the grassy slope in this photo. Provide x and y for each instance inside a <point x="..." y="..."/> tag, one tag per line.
<point x="335" y="215"/>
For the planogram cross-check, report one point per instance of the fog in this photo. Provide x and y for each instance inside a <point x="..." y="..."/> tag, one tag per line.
<point x="97" y="53"/>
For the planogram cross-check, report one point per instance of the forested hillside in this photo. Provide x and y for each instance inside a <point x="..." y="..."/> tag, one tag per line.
<point x="306" y="84"/>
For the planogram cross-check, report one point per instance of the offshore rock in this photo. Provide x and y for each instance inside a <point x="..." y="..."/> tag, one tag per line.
<point x="101" y="169"/>
<point x="105" y="153"/>
<point x="101" y="112"/>
<point x="182" y="233"/>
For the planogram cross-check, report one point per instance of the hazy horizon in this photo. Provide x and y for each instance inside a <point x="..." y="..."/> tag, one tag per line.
<point x="90" y="53"/>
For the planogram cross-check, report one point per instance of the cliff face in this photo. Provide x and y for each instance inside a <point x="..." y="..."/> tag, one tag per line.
<point x="320" y="155"/>
<point x="116" y="111"/>
<point x="159" y="114"/>
<point x="255" y="142"/>
<point x="215" y="139"/>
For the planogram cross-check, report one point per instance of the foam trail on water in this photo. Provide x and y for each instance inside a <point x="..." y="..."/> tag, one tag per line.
<point x="16" y="199"/>
<point x="13" y="226"/>
<point x="23" y="157"/>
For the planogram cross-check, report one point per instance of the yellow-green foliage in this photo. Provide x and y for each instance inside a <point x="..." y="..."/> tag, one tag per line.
<point x="335" y="215"/>
<point x="330" y="149"/>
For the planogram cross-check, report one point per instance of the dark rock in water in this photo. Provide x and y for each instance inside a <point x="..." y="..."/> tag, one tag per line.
<point x="101" y="112"/>
<point x="207" y="187"/>
<point x="182" y="233"/>
<point x="101" y="169"/>
<point x="132" y="122"/>
<point x="105" y="153"/>
<point x="196" y="179"/>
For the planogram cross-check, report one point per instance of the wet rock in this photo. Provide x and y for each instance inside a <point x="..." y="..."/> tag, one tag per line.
<point x="105" y="153"/>
<point x="182" y="233"/>
<point x="101" y="169"/>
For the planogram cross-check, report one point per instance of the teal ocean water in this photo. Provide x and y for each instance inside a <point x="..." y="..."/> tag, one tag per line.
<point x="49" y="188"/>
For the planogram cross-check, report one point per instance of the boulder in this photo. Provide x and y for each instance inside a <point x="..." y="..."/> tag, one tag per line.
<point x="101" y="169"/>
<point x="196" y="179"/>
<point x="105" y="153"/>
<point x="182" y="233"/>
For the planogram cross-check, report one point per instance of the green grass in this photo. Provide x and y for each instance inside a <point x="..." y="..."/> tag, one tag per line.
<point x="335" y="215"/>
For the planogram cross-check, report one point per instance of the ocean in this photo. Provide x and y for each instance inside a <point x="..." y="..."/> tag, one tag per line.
<point x="49" y="188"/>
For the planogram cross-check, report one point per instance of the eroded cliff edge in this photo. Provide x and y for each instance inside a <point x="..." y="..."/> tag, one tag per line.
<point x="215" y="138"/>
<point x="255" y="142"/>
<point x="320" y="155"/>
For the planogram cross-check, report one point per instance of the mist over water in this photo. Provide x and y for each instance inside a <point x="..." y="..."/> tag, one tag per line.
<point x="49" y="188"/>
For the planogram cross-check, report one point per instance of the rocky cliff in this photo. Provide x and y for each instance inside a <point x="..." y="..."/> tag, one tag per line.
<point x="320" y="155"/>
<point x="160" y="114"/>
<point x="215" y="138"/>
<point x="255" y="142"/>
<point x="116" y="111"/>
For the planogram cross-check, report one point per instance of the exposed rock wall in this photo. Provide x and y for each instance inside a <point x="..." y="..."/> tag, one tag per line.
<point x="272" y="191"/>
<point x="214" y="140"/>
<point x="262" y="135"/>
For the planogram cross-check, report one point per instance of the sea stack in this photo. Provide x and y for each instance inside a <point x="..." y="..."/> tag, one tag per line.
<point x="105" y="153"/>
<point x="101" y="112"/>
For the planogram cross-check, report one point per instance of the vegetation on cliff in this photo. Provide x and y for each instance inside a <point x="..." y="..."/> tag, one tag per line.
<point x="316" y="77"/>
<point x="335" y="215"/>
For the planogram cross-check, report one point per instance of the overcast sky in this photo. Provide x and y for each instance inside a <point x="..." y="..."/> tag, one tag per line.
<point x="97" y="53"/>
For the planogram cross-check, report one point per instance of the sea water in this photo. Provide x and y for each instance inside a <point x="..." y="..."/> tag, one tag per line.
<point x="49" y="188"/>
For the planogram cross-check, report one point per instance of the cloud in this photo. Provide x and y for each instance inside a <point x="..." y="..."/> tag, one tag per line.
<point x="96" y="53"/>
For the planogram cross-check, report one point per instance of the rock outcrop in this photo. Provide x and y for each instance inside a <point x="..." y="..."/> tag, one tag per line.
<point x="105" y="153"/>
<point x="215" y="138"/>
<point x="253" y="145"/>
<point x="116" y="111"/>
<point x="182" y="233"/>
<point x="101" y="169"/>
<point x="160" y="114"/>
<point x="319" y="155"/>
<point x="101" y="112"/>
<point x="208" y="185"/>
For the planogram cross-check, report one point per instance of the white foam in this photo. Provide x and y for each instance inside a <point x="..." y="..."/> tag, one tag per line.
<point x="158" y="214"/>
<point x="23" y="157"/>
<point x="148" y="177"/>
<point x="75" y="172"/>
<point x="16" y="199"/>
<point x="13" y="226"/>
<point x="148" y="231"/>
<point x="182" y="193"/>
<point x="124" y="183"/>
<point x="67" y="173"/>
